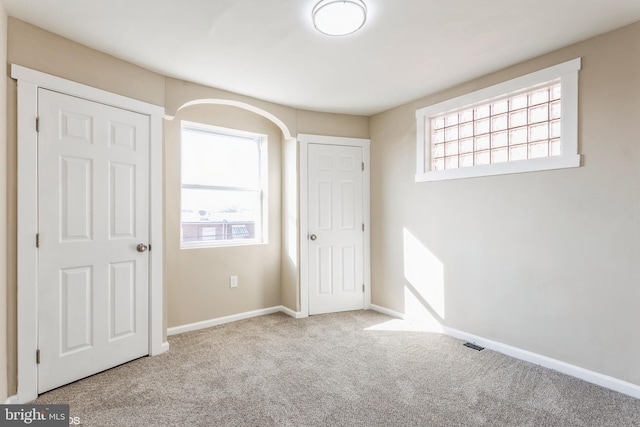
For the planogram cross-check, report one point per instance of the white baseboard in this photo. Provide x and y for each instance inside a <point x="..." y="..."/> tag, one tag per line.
<point x="12" y="400"/>
<point x="294" y="314"/>
<point x="387" y="311"/>
<point x="233" y="318"/>
<point x="547" y="362"/>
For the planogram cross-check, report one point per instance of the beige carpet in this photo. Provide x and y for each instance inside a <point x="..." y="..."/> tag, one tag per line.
<point x="335" y="370"/>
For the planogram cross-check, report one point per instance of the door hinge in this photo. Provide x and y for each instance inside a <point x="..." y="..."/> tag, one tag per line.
<point x="37" y="240"/>
<point x="37" y="124"/>
<point x="363" y="226"/>
<point x="362" y="165"/>
<point x="38" y="356"/>
<point x="363" y="287"/>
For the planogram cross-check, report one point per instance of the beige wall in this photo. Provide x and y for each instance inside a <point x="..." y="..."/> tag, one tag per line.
<point x="3" y="210"/>
<point x="544" y="261"/>
<point x="196" y="280"/>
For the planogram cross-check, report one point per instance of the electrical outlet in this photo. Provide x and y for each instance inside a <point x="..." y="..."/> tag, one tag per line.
<point x="233" y="281"/>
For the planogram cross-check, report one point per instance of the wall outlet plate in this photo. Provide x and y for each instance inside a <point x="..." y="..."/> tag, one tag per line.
<point x="233" y="281"/>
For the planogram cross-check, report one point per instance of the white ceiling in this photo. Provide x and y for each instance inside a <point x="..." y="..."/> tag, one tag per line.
<point x="268" y="49"/>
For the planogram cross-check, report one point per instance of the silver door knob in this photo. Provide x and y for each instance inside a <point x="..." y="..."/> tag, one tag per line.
<point x="313" y="237"/>
<point x="142" y="247"/>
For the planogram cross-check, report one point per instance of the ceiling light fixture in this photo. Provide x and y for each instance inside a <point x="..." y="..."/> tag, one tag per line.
<point x="339" y="17"/>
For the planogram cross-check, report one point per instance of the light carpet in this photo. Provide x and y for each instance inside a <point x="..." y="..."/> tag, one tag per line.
<point x="335" y="370"/>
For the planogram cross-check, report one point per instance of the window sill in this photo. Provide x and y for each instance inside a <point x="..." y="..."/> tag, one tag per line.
<point x="231" y="244"/>
<point x="529" y="165"/>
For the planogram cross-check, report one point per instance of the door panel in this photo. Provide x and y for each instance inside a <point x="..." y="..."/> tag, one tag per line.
<point x="336" y="266"/>
<point x="93" y="184"/>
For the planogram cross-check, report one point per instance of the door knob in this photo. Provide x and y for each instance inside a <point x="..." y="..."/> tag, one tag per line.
<point x="142" y="247"/>
<point x="313" y="237"/>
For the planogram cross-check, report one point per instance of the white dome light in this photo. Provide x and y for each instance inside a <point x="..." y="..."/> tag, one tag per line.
<point x="339" y="17"/>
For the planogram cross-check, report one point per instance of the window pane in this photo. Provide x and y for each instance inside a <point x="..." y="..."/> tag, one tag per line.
<point x="451" y="148"/>
<point x="451" y="162"/>
<point x="500" y="155"/>
<point x="499" y="123"/>
<point x="209" y="215"/>
<point x="500" y="107"/>
<point x="518" y="136"/>
<point x="451" y="119"/>
<point x="466" y="145"/>
<point x="519" y="152"/>
<point x="219" y="160"/>
<point x="482" y="158"/>
<point x="518" y="102"/>
<point x="539" y="149"/>
<point x="482" y="142"/>
<point x="515" y="127"/>
<point x="466" y="160"/>
<point x="498" y="139"/>
<point x="518" y="118"/>
<point x="466" y="116"/>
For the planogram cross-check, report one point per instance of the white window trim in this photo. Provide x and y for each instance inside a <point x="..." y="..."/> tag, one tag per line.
<point x="262" y="228"/>
<point x="566" y="71"/>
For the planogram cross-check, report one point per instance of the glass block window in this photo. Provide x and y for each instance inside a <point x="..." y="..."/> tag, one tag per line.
<point x="526" y="124"/>
<point x="521" y="126"/>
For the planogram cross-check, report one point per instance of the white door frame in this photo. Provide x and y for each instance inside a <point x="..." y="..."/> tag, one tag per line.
<point x="29" y="81"/>
<point x="305" y="140"/>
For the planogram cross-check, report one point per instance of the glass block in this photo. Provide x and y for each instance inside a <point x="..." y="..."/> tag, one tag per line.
<point x="451" y="134"/>
<point x="539" y="96"/>
<point x="482" y="142"/>
<point x="555" y="147"/>
<point x="438" y="150"/>
<point x="465" y="160"/>
<point x="538" y="132"/>
<point x="500" y="155"/>
<point x="466" y="145"/>
<point x="556" y="91"/>
<point x="482" y="126"/>
<point x="556" y="129"/>
<point x="519" y="152"/>
<point x="438" y="136"/>
<point x="518" y="136"/>
<point x="438" y="164"/>
<point x="482" y="158"/>
<point x="518" y="102"/>
<point x="451" y="148"/>
<point x="539" y="113"/>
<point x="466" y="130"/>
<point x="500" y="107"/>
<point x="556" y="110"/>
<point x="466" y="116"/>
<point x="499" y="139"/>
<point x="437" y="123"/>
<point x="539" y="149"/>
<point x="451" y="119"/>
<point x="482" y="112"/>
<point x="518" y="118"/>
<point x="451" y="162"/>
<point x="499" y="123"/>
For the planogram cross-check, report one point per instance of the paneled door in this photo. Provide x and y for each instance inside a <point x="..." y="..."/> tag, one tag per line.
<point x="336" y="236"/>
<point x="93" y="198"/>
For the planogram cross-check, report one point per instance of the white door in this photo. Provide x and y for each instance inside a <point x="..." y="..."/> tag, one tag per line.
<point x="93" y="184"/>
<point x="336" y="236"/>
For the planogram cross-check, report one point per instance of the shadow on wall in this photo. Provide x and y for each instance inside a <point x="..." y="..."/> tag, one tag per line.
<point x="424" y="295"/>
<point x="424" y="290"/>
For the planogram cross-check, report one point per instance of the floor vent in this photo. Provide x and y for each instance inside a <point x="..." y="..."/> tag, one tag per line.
<point x="473" y="346"/>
